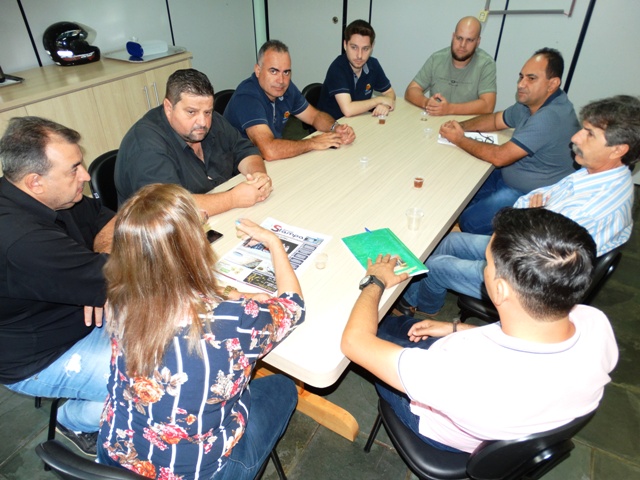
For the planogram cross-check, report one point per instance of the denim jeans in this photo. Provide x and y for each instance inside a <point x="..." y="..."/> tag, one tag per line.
<point x="80" y="375"/>
<point x="273" y="400"/>
<point x="396" y="330"/>
<point x="493" y="195"/>
<point x="456" y="264"/>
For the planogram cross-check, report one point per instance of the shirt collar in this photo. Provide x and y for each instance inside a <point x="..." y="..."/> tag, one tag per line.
<point x="26" y="201"/>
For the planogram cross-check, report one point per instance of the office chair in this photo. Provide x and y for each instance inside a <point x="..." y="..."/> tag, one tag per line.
<point x="312" y="94"/>
<point x="529" y="457"/>
<point x="220" y="100"/>
<point x="102" y="184"/>
<point x="485" y="310"/>
<point x="69" y="466"/>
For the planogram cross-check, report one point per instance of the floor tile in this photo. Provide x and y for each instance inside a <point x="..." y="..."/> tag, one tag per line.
<point x="607" y="467"/>
<point x="616" y="426"/>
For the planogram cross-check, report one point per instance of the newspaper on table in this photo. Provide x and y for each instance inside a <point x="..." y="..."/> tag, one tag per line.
<point x="251" y="264"/>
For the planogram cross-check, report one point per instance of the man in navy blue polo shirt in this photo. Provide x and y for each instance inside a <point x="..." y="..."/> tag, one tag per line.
<point x="263" y="103"/>
<point x="354" y="76"/>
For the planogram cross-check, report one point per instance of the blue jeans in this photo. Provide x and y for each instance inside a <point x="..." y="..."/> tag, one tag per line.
<point x="273" y="400"/>
<point x="493" y="195"/>
<point x="395" y="330"/>
<point x="80" y="375"/>
<point x="456" y="264"/>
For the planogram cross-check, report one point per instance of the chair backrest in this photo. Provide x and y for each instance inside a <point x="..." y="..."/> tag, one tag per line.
<point x="605" y="266"/>
<point x="485" y="310"/>
<point x="220" y="100"/>
<point x="103" y="186"/>
<point x="70" y="466"/>
<point x="312" y="93"/>
<point x="528" y="457"/>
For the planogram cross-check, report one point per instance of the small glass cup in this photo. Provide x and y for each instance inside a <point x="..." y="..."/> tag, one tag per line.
<point x="414" y="218"/>
<point x="382" y="119"/>
<point x="424" y="116"/>
<point x="428" y="133"/>
<point x="418" y="182"/>
<point x="321" y="261"/>
<point x="364" y="162"/>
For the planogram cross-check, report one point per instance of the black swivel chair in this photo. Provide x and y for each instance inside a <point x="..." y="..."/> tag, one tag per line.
<point x="102" y="184"/>
<point x="529" y="457"/>
<point x="70" y="466"/>
<point x="312" y="94"/>
<point x="220" y="100"/>
<point x="484" y="309"/>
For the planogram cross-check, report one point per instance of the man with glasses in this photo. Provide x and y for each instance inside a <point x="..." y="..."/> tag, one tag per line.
<point x="538" y="153"/>
<point x="262" y="105"/>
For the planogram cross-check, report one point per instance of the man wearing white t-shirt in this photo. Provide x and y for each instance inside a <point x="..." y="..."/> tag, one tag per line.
<point x="545" y="363"/>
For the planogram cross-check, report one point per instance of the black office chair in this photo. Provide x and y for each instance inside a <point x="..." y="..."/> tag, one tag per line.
<point x="220" y="100"/>
<point x="312" y="94"/>
<point x="485" y="310"/>
<point x="529" y="457"/>
<point x="102" y="184"/>
<point x="71" y="466"/>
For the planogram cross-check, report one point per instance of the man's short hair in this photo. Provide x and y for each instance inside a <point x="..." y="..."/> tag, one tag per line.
<point x="23" y="145"/>
<point x="546" y="257"/>
<point x="275" y="45"/>
<point x="555" y="62"/>
<point x="359" y="27"/>
<point x="619" y="117"/>
<point x="189" y="81"/>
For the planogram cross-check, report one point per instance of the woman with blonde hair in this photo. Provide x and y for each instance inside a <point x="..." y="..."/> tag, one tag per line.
<point x="180" y="404"/>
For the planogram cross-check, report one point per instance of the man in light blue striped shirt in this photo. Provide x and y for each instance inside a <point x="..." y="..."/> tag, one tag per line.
<point x="599" y="197"/>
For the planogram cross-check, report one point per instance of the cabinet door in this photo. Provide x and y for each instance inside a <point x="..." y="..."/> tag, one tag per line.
<point x="123" y="102"/>
<point x="77" y="110"/>
<point x="4" y="120"/>
<point x="157" y="80"/>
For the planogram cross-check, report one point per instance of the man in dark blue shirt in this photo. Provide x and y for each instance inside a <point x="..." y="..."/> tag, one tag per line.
<point x="263" y="103"/>
<point x="355" y="75"/>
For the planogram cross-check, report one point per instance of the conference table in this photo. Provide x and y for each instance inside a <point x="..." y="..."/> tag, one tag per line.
<point x="332" y="192"/>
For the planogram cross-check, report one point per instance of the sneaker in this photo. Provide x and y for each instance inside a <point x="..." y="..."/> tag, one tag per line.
<point x="87" y="443"/>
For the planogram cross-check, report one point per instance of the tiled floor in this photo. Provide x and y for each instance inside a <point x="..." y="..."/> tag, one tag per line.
<point x="607" y="449"/>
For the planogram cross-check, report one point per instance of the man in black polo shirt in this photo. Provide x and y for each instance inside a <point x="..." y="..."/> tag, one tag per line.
<point x="183" y="141"/>
<point x="53" y="245"/>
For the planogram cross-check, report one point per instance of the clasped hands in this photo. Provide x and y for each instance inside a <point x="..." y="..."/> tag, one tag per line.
<point x="343" y="134"/>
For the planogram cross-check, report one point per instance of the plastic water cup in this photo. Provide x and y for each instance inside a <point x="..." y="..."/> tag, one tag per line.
<point x="321" y="261"/>
<point x="414" y="218"/>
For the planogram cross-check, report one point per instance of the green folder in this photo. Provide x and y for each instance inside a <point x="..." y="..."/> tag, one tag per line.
<point x="382" y="241"/>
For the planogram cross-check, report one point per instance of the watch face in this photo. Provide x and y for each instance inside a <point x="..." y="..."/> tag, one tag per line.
<point x="365" y="281"/>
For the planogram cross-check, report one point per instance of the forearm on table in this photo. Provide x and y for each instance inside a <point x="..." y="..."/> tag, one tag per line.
<point x="252" y="164"/>
<point x="215" y="203"/>
<point x="279" y="148"/>
<point x="496" y="155"/>
<point x="415" y="94"/>
<point x="488" y="122"/>
<point x="323" y="122"/>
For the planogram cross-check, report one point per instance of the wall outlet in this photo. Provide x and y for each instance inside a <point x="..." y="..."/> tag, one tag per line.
<point x="482" y="16"/>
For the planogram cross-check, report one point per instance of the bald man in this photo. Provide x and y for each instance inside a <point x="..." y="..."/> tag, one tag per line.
<point x="460" y="80"/>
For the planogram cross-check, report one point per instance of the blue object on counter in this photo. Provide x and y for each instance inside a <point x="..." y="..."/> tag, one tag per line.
<point x="135" y="49"/>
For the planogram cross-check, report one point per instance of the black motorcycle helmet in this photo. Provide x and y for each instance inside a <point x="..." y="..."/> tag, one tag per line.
<point x="66" y="44"/>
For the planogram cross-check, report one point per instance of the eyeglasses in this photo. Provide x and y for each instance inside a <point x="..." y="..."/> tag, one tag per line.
<point x="485" y="138"/>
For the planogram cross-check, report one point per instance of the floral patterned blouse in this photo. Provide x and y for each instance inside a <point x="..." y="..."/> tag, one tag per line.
<point x="182" y="422"/>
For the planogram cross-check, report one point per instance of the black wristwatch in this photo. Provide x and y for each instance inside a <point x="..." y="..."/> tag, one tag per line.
<point x="368" y="280"/>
